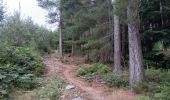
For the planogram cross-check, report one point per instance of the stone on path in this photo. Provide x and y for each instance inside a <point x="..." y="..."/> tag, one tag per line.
<point x="78" y="98"/>
<point x="69" y="87"/>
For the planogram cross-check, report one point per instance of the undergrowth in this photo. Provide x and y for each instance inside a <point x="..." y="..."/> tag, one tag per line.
<point x="19" y="68"/>
<point x="155" y="87"/>
<point x="105" y="73"/>
<point x="51" y="91"/>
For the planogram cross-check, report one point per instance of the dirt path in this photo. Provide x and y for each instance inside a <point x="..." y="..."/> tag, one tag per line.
<point x="97" y="92"/>
<point x="84" y="90"/>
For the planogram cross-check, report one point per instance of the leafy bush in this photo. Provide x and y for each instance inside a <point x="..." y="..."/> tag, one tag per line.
<point x="153" y="87"/>
<point x="153" y="75"/>
<point x="27" y="81"/>
<point x="88" y="77"/>
<point x="157" y="85"/>
<point x="141" y="88"/>
<point x="102" y="69"/>
<point x="22" y="42"/>
<point x="115" y="80"/>
<point x="158" y="59"/>
<point x="164" y="94"/>
<point x="105" y="73"/>
<point x="18" y="68"/>
<point x="95" y="68"/>
<point x="82" y="71"/>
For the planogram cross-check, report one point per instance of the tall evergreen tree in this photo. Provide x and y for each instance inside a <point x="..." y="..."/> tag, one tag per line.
<point x="135" y="51"/>
<point x="2" y="11"/>
<point x="61" y="30"/>
<point x="117" y="40"/>
<point x="55" y="14"/>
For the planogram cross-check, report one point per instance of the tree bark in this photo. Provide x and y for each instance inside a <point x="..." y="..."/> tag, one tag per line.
<point x="161" y="12"/>
<point x="135" y="51"/>
<point x="72" y="47"/>
<point x="61" y="41"/>
<point x="117" y="43"/>
<point x="123" y="43"/>
<point x="61" y="33"/>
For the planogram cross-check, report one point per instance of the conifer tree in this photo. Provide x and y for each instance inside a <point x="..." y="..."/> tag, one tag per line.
<point x="135" y="51"/>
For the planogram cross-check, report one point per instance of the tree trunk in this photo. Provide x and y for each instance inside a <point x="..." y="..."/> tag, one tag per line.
<point x="72" y="47"/>
<point x="117" y="44"/>
<point x="123" y="43"/>
<point x="135" y="50"/>
<point x="61" y="41"/>
<point x="61" y="33"/>
<point x="161" y="12"/>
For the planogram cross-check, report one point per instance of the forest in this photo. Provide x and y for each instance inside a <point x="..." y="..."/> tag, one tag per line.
<point x="123" y="45"/>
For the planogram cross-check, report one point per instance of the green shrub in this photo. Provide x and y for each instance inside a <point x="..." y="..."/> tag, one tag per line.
<point x="81" y="71"/>
<point x="105" y="73"/>
<point x="165" y="79"/>
<point x="140" y="88"/>
<point x="18" y="68"/>
<point x="164" y="94"/>
<point x="153" y="87"/>
<point x="27" y="81"/>
<point x="38" y="70"/>
<point x="147" y="87"/>
<point x="156" y="85"/>
<point x="114" y="80"/>
<point x="102" y="69"/>
<point x="92" y="69"/>
<point x="95" y="68"/>
<point x="153" y="75"/>
<point x="88" y="78"/>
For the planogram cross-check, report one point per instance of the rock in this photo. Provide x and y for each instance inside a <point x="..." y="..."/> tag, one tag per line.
<point x="81" y="94"/>
<point x="63" y="96"/>
<point x="75" y="95"/>
<point x="69" y="87"/>
<point x="78" y="98"/>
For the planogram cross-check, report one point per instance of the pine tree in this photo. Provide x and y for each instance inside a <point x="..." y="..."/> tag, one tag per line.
<point x="55" y="14"/>
<point x="61" y="31"/>
<point x="135" y="51"/>
<point x="2" y="10"/>
<point x="117" y="40"/>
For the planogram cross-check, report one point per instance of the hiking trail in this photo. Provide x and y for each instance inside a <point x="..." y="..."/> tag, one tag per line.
<point x="90" y="92"/>
<point x="82" y="90"/>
